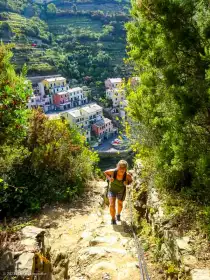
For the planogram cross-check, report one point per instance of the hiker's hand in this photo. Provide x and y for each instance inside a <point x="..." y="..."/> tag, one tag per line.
<point x="111" y="179"/>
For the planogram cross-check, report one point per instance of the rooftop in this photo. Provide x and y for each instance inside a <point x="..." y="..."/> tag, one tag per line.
<point x="91" y="108"/>
<point x="75" y="89"/>
<point x="115" y="80"/>
<point x="102" y="122"/>
<point x="54" y="79"/>
<point x="38" y="79"/>
<point x="74" y="112"/>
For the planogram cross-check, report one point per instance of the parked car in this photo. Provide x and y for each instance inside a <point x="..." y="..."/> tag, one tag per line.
<point x="117" y="142"/>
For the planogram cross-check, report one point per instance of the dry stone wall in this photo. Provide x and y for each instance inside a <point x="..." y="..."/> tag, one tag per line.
<point x="175" y="246"/>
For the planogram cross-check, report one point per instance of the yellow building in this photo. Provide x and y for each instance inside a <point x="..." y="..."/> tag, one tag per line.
<point x="53" y="85"/>
<point x="54" y="82"/>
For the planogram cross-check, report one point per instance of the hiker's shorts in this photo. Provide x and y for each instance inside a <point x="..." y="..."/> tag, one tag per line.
<point x="119" y="195"/>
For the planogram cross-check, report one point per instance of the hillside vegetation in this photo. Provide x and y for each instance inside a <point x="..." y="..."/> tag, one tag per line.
<point x="83" y="40"/>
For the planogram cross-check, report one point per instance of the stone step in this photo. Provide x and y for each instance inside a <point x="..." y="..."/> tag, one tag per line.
<point x="102" y="251"/>
<point x="108" y="270"/>
<point x="200" y="274"/>
<point x="111" y="240"/>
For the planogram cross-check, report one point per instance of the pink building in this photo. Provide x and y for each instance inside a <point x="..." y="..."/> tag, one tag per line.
<point x="62" y="100"/>
<point x="103" y="128"/>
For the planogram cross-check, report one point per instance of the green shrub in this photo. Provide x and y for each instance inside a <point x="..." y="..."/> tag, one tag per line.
<point x="54" y="167"/>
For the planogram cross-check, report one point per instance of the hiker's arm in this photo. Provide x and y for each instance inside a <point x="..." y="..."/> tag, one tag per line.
<point x="129" y="179"/>
<point x="109" y="174"/>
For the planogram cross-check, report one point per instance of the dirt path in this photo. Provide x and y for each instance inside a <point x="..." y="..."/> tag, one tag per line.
<point x="84" y="245"/>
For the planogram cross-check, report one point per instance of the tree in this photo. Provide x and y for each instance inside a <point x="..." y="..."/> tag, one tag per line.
<point x="51" y="9"/>
<point x="14" y="92"/>
<point x="169" y="43"/>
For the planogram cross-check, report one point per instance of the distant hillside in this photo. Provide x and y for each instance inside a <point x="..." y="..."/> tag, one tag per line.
<point x="83" y="40"/>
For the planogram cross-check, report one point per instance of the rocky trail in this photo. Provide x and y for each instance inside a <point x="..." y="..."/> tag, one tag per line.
<point x="82" y="243"/>
<point x="76" y="241"/>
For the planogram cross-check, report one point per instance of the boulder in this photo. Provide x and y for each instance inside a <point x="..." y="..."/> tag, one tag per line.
<point x="24" y="265"/>
<point x="32" y="232"/>
<point x="200" y="274"/>
<point x="33" y="238"/>
<point x="189" y="260"/>
<point x="183" y="244"/>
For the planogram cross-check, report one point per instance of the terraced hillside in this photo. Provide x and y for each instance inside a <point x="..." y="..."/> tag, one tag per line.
<point x="82" y="40"/>
<point x="23" y="32"/>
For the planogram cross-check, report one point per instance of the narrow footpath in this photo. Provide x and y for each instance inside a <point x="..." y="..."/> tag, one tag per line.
<point x="82" y="243"/>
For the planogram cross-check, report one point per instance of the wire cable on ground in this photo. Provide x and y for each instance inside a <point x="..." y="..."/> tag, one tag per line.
<point x="142" y="264"/>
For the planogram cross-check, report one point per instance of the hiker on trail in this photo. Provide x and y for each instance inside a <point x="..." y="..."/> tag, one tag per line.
<point x="119" y="179"/>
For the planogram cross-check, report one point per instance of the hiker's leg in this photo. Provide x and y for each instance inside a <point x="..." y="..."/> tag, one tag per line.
<point x="119" y="206"/>
<point x="112" y="207"/>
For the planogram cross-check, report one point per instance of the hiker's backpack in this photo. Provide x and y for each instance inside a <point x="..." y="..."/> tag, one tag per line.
<point x="115" y="176"/>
